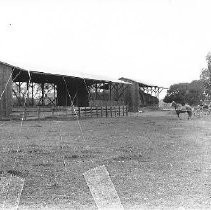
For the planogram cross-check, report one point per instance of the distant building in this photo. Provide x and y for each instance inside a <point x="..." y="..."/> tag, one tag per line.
<point x="23" y="87"/>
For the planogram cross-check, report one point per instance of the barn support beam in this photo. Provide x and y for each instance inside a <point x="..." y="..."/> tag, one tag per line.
<point x="19" y="89"/>
<point x="72" y="91"/>
<point x="62" y="94"/>
<point x="82" y="94"/>
<point x="32" y="85"/>
<point x="95" y="91"/>
<point x="27" y="96"/>
<point x="43" y="92"/>
<point x="133" y="97"/>
<point x="5" y="91"/>
<point x="54" y="94"/>
<point x="142" y="97"/>
<point x="110" y="91"/>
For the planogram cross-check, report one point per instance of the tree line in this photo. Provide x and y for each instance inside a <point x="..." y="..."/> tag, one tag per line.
<point x="194" y="92"/>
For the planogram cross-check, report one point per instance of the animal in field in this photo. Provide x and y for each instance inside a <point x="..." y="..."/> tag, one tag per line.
<point x="182" y="109"/>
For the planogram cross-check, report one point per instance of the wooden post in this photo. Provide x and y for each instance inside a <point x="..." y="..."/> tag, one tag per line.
<point x="85" y="112"/>
<point x="101" y="111"/>
<point x="25" y="113"/>
<point x="73" y="112"/>
<point x="38" y="112"/>
<point x="66" y="110"/>
<point x="119" y="111"/>
<point x="126" y="110"/>
<point x="79" y="112"/>
<point x="52" y="110"/>
<point x="19" y="91"/>
<point x="123" y="110"/>
<point x="106" y="111"/>
<point x="110" y="91"/>
<point x="91" y="111"/>
<point x="54" y="94"/>
<point x="43" y="92"/>
<point x="27" y="97"/>
<point x="5" y="91"/>
<point x="111" y="110"/>
<point x="96" y="110"/>
<point x="133" y="97"/>
<point x="32" y="94"/>
<point x="115" y="111"/>
<point x="96" y="91"/>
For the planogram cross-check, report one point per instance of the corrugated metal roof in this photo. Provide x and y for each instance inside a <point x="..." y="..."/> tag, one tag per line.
<point x="99" y="78"/>
<point x="60" y="72"/>
<point x="144" y="83"/>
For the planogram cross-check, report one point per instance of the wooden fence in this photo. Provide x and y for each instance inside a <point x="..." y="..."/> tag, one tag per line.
<point x="68" y="112"/>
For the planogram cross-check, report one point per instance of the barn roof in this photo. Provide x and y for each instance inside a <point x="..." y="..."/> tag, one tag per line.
<point x="60" y="72"/>
<point x="141" y="82"/>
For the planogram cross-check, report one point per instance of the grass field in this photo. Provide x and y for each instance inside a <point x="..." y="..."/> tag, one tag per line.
<point x="154" y="160"/>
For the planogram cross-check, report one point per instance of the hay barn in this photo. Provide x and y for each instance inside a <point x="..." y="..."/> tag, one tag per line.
<point x="142" y="94"/>
<point x="23" y="90"/>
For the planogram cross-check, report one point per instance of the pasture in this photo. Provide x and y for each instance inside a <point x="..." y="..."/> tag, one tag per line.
<point x="154" y="160"/>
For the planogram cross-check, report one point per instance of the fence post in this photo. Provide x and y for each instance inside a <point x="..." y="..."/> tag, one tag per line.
<point x="91" y="111"/>
<point x="52" y="111"/>
<point x="25" y="113"/>
<point x="101" y="111"/>
<point x="66" y="109"/>
<point x="73" y="112"/>
<point x="96" y="110"/>
<point x="85" y="112"/>
<point x="106" y="111"/>
<point x="111" y="111"/>
<point x="79" y="112"/>
<point x="38" y="112"/>
<point x="119" y="111"/>
<point x="126" y="110"/>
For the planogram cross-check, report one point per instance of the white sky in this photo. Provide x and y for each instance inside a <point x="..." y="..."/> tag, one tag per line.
<point x="159" y="41"/>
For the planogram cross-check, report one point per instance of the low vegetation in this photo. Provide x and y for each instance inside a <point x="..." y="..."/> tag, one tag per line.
<point x="154" y="160"/>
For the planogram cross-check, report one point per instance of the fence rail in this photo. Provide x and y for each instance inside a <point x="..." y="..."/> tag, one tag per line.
<point x="71" y="112"/>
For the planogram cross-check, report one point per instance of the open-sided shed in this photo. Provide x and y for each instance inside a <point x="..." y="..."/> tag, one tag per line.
<point x="23" y="87"/>
<point x="142" y="93"/>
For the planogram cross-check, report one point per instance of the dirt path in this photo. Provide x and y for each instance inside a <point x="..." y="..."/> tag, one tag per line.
<point x="154" y="160"/>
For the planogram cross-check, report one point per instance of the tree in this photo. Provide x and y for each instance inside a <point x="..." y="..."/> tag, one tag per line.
<point x="205" y="77"/>
<point x="190" y="93"/>
<point x="196" y="92"/>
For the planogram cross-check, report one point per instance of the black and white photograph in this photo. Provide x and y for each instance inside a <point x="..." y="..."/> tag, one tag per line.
<point x="105" y="104"/>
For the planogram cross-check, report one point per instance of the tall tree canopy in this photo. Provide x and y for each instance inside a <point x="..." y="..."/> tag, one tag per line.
<point x="205" y="77"/>
<point x="190" y="93"/>
<point x="193" y="92"/>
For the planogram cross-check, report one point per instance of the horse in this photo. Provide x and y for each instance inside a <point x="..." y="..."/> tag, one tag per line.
<point x="182" y="109"/>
